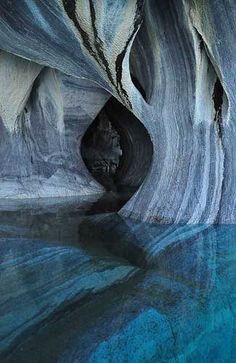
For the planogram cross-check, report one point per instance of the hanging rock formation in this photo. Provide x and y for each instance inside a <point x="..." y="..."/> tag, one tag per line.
<point x="60" y="62"/>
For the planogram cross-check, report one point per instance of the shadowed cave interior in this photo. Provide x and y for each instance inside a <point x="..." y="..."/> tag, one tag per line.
<point x="117" y="150"/>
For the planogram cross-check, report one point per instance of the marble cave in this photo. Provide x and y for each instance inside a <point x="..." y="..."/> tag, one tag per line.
<point x="117" y="181"/>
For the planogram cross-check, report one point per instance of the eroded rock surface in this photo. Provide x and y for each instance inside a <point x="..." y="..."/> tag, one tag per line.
<point x="183" y="56"/>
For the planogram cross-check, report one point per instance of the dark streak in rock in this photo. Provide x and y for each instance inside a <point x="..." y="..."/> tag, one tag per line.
<point x="120" y="57"/>
<point x="99" y="44"/>
<point x="70" y="8"/>
<point x="98" y="50"/>
<point x="218" y="102"/>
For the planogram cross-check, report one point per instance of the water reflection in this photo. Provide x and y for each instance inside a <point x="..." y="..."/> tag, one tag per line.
<point x="82" y="284"/>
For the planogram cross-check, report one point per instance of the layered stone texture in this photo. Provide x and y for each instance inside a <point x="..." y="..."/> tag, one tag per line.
<point x="183" y="56"/>
<point x="189" y="162"/>
<point x="44" y="115"/>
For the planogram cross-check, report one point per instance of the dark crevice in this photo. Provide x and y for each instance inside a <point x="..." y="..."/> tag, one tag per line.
<point x="139" y="86"/>
<point x="201" y="42"/>
<point x="217" y="97"/>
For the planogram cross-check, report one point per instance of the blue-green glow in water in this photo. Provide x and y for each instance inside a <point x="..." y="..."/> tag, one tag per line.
<point x="93" y="287"/>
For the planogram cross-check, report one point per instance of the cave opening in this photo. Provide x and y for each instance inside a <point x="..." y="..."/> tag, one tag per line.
<point x="102" y="151"/>
<point x="117" y="150"/>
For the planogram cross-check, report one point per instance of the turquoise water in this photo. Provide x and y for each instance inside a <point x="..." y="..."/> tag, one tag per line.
<point x="82" y="284"/>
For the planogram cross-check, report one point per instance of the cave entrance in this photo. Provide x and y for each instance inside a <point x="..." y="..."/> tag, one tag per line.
<point x="117" y="149"/>
<point x="102" y="151"/>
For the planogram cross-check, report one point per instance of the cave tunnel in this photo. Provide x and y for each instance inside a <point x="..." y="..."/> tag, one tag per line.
<point x="117" y="149"/>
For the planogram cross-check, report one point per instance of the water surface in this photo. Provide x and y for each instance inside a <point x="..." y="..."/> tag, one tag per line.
<point x="79" y="283"/>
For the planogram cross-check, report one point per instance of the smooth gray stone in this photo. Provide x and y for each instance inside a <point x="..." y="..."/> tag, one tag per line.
<point x="183" y="55"/>
<point x="42" y="127"/>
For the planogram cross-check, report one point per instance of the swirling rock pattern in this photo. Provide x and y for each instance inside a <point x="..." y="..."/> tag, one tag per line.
<point x="75" y="275"/>
<point x="182" y="53"/>
<point x="43" y="117"/>
<point x="87" y="290"/>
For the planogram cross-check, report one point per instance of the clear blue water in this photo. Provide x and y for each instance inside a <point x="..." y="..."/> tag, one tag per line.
<point x="79" y="283"/>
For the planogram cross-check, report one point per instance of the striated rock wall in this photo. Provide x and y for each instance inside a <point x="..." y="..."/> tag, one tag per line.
<point x="192" y="113"/>
<point x="183" y="55"/>
<point x="43" y="115"/>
